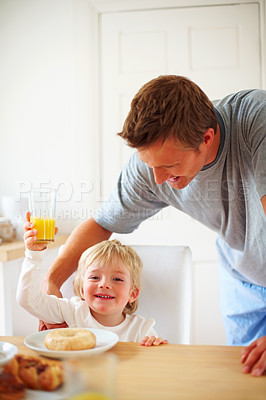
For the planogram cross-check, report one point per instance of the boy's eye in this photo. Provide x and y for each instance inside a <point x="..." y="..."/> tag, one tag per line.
<point x="93" y="277"/>
<point x="118" y="279"/>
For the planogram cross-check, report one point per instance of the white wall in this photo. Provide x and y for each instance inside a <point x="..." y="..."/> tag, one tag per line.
<point x="45" y="113"/>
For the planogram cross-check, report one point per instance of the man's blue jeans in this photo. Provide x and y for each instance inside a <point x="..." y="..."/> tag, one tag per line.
<point x="243" y="305"/>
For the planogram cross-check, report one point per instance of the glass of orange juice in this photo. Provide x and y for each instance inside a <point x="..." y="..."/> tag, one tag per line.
<point x="42" y="203"/>
<point x="94" y="378"/>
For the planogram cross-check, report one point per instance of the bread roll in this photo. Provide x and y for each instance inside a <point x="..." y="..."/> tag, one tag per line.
<point x="70" y="339"/>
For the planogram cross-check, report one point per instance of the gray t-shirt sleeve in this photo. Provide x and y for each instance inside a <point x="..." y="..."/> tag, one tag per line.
<point x="132" y="201"/>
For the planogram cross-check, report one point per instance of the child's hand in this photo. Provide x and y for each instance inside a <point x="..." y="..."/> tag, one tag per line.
<point x="152" y="341"/>
<point x="254" y="357"/>
<point x="30" y="236"/>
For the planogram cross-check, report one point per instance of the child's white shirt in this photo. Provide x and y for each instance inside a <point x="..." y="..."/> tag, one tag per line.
<point x="74" y="311"/>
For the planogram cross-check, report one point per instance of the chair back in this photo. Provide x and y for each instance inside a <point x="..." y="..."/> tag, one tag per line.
<point x="167" y="290"/>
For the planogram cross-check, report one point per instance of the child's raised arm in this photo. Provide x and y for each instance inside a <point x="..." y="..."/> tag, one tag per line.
<point x="29" y="294"/>
<point x="152" y="341"/>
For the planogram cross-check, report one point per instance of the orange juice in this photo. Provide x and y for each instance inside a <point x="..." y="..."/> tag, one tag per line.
<point x="90" y="396"/>
<point x="45" y="228"/>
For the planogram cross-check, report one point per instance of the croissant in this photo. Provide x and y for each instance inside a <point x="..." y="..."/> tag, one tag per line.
<point x="36" y="373"/>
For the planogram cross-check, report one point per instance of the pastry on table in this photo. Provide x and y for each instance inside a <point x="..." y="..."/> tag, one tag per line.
<point x="36" y="373"/>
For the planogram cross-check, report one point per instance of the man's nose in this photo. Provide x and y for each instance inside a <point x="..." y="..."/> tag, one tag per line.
<point x="160" y="175"/>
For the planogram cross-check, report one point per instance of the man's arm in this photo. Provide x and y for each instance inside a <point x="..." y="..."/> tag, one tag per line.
<point x="85" y="235"/>
<point x="263" y="202"/>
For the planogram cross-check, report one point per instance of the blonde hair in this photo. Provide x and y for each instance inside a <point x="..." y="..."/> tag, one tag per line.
<point x="107" y="252"/>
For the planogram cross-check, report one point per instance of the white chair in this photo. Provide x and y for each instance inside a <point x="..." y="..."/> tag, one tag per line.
<point x="166" y="290"/>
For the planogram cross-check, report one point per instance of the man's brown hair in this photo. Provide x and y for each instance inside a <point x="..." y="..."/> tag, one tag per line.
<point x="165" y="106"/>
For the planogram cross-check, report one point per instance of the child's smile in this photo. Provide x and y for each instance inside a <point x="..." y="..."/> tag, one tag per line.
<point x="103" y="296"/>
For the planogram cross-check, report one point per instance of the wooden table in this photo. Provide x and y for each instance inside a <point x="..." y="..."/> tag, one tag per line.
<point x="178" y="372"/>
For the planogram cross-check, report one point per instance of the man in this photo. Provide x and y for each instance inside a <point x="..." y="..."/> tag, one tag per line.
<point x="210" y="163"/>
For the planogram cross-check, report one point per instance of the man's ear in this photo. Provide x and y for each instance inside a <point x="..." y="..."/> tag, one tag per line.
<point x="133" y="295"/>
<point x="209" y="137"/>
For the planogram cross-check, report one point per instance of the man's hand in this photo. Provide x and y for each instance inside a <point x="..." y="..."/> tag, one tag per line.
<point x="254" y="357"/>
<point x="43" y="326"/>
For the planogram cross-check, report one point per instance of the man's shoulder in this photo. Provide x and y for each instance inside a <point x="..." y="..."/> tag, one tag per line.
<point x="137" y="172"/>
<point x="135" y="163"/>
<point x="248" y="95"/>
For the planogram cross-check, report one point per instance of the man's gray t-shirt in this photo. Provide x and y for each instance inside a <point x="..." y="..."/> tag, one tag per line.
<point x="225" y="195"/>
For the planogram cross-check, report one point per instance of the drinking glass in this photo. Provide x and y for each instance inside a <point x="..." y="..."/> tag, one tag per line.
<point x="42" y="203"/>
<point x="94" y="377"/>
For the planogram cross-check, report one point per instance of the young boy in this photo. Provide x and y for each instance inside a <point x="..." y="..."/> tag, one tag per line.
<point x="106" y="285"/>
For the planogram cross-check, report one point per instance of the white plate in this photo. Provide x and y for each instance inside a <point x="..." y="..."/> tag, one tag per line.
<point x="7" y="352"/>
<point x="59" y="394"/>
<point x="104" y="341"/>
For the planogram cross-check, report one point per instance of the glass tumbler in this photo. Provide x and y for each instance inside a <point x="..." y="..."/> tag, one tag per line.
<point x="42" y="205"/>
